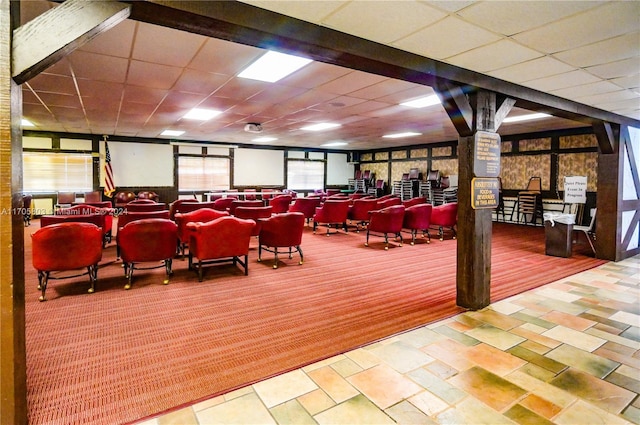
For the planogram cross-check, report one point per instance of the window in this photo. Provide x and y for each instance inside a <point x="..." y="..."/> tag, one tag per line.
<point x="57" y="172"/>
<point x="305" y="175"/>
<point x="203" y="173"/>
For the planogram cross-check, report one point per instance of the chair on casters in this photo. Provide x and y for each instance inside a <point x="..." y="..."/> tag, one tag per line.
<point x="445" y="216"/>
<point x="589" y="231"/>
<point x="387" y="220"/>
<point x="202" y="215"/>
<point x="282" y="230"/>
<point x="307" y="206"/>
<point x="332" y="212"/>
<point x="418" y="217"/>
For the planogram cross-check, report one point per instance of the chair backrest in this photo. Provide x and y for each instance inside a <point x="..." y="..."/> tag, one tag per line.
<point x="95" y="196"/>
<point x="445" y="214"/>
<point x="66" y="198"/>
<point x="360" y="208"/>
<point x="221" y="238"/>
<point x="140" y="207"/>
<point x="223" y="204"/>
<point x="66" y="246"/>
<point x="202" y="215"/>
<point x="387" y="219"/>
<point x="366" y="174"/>
<point x="417" y="216"/>
<point x="379" y="184"/>
<point x="280" y="203"/>
<point x="282" y="230"/>
<point x="129" y="216"/>
<point x="246" y="203"/>
<point x="387" y="202"/>
<point x="534" y="185"/>
<point x="250" y="194"/>
<point x="333" y="211"/>
<point x="150" y="239"/>
<point x="414" y="201"/>
<point x="433" y="175"/>
<point x="358" y="175"/>
<point x="124" y="197"/>
<point x="147" y="194"/>
<point x="307" y="206"/>
<point x="414" y="174"/>
<point x="592" y="222"/>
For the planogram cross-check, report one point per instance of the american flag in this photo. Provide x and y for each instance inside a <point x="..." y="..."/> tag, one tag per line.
<point x="109" y="186"/>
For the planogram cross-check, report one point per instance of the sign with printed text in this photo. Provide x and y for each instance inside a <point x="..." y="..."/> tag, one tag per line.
<point x="485" y="193"/>
<point x="575" y="190"/>
<point x="486" y="154"/>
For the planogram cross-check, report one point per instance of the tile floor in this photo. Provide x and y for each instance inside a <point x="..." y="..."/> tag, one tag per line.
<point x="566" y="353"/>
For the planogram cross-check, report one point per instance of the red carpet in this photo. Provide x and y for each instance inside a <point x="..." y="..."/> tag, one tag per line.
<point x="116" y="356"/>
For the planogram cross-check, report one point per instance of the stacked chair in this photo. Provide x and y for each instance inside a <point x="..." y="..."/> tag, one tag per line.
<point x="529" y="202"/>
<point x="82" y="244"/>
<point x="387" y="221"/>
<point x="282" y="230"/>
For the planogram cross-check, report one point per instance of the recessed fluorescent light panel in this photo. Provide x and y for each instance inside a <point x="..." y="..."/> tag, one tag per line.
<point x="320" y="126"/>
<point x="264" y="139"/>
<point x="273" y="66"/>
<point x="423" y="102"/>
<point x="526" y="117"/>
<point x="27" y="123"/>
<point x="172" y="133"/>
<point x="331" y="144"/>
<point x="201" y="114"/>
<point x="400" y="135"/>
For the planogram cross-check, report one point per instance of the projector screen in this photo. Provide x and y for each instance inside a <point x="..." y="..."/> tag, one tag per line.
<point x="339" y="171"/>
<point x="139" y="164"/>
<point x="258" y="167"/>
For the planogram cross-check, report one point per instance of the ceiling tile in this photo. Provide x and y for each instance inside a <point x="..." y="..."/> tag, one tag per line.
<point x="241" y="88"/>
<point x="631" y="82"/>
<point x="561" y="81"/>
<point x="152" y="75"/>
<point x="310" y="11"/>
<point x="623" y="68"/>
<point x="224" y="57"/>
<point x="195" y="81"/>
<point x="449" y="6"/>
<point x="98" y="67"/>
<point x="315" y="74"/>
<point x="100" y="90"/>
<point x="52" y="83"/>
<point x="60" y="100"/>
<point x="584" y="28"/>
<point x="512" y="17"/>
<point x="446" y="38"/>
<point x="350" y="82"/>
<point x="375" y="23"/>
<point x="583" y="90"/>
<point x="153" y="44"/>
<point x="609" y="96"/>
<point x="613" y="49"/>
<point x="117" y="41"/>
<point x="382" y="89"/>
<point x="530" y="70"/>
<point x="494" y="56"/>
<point x="143" y="95"/>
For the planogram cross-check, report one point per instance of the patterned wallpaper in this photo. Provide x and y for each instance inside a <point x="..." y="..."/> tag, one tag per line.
<point x="506" y="146"/>
<point x="444" y="151"/>
<point x="516" y="170"/>
<point x="379" y="169"/>
<point x="534" y="145"/>
<point x="419" y="153"/>
<point x="400" y="167"/>
<point x="366" y="157"/>
<point x="447" y="167"/>
<point x="399" y="154"/>
<point x="579" y="141"/>
<point x="579" y="164"/>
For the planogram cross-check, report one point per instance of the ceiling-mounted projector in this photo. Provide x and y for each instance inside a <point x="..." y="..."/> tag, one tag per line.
<point x="253" y="127"/>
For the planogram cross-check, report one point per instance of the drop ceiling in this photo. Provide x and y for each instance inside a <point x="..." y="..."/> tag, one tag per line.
<point x="139" y="79"/>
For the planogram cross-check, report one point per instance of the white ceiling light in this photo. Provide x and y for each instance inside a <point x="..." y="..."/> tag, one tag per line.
<point x="201" y="114"/>
<point x="400" y="135"/>
<point x="423" y="102"/>
<point x="27" y="123"/>
<point x="264" y="139"/>
<point x="320" y="126"/>
<point x="273" y="66"/>
<point x="526" y="117"/>
<point x="172" y="133"/>
<point x="330" y="144"/>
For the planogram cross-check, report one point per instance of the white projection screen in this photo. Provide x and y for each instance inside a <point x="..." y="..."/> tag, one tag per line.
<point x="258" y="167"/>
<point x="339" y="171"/>
<point x="139" y="164"/>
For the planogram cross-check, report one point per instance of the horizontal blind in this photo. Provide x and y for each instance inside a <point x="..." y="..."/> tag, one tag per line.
<point x="203" y="173"/>
<point x="57" y="172"/>
<point x="305" y="175"/>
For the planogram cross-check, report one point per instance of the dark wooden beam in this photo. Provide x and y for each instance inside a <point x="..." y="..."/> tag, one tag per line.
<point x="49" y="37"/>
<point x="246" y="24"/>
<point x="503" y="110"/>
<point x="455" y="102"/>
<point x="607" y="136"/>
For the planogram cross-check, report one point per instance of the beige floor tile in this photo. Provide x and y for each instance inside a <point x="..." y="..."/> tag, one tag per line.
<point x="583" y="360"/>
<point x="244" y="410"/>
<point x="488" y="387"/>
<point x="628" y="318"/>
<point x="541" y="389"/>
<point x="333" y="384"/>
<point x="573" y="322"/>
<point x="363" y="358"/>
<point x="291" y="413"/>
<point x="496" y="319"/>
<point x="585" y="413"/>
<point x="208" y="403"/>
<point x="383" y="385"/>
<point x="316" y="401"/>
<point x="185" y="416"/>
<point x="284" y="387"/>
<point x="494" y="360"/>
<point x="408" y="414"/>
<point x="346" y="367"/>
<point x="472" y="411"/>
<point x="522" y="415"/>
<point x="542" y="407"/>
<point x="440" y="370"/>
<point x="428" y="403"/>
<point x="498" y="338"/>
<point x="506" y="307"/>
<point x="536" y="359"/>
<point x="534" y="347"/>
<point x="525" y="332"/>
<point x="556" y="294"/>
<point x="440" y="387"/>
<point x="449" y="352"/>
<point x="322" y="363"/>
<point x="402" y="357"/>
<point x="420" y="337"/>
<point x="577" y="339"/>
<point x="356" y="411"/>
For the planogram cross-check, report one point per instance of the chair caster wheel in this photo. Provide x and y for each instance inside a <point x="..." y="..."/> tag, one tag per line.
<point x="91" y="290"/>
<point x="127" y="286"/>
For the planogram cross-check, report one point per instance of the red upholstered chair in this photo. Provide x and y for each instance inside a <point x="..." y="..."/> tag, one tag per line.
<point x="414" y="201"/>
<point x="185" y="207"/>
<point x="147" y="240"/>
<point x="445" y="216"/>
<point x="128" y="217"/>
<point x="95" y="196"/>
<point x="240" y="203"/>
<point x="331" y="192"/>
<point x="385" y="221"/>
<point x="175" y="206"/>
<point x="66" y="246"/>
<point x="282" y="230"/>
<point x="137" y="206"/>
<point x="250" y="194"/>
<point x="223" y="204"/>
<point x="418" y="217"/>
<point x="147" y="194"/>
<point x="65" y="199"/>
<point x="221" y="240"/>
<point x="105" y="221"/>
<point x="307" y="206"/>
<point x="202" y="215"/>
<point x="266" y="195"/>
<point x="123" y="198"/>
<point x="332" y="212"/>
<point x="280" y="203"/>
<point x="359" y="211"/>
<point x="388" y="202"/>
<point x="255" y="214"/>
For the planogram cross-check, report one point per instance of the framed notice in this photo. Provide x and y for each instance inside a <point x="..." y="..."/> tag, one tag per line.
<point x="575" y="190"/>
<point x="486" y="154"/>
<point x="485" y="193"/>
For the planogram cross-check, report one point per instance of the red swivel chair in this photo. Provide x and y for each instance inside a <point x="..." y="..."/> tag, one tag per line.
<point x="255" y="214"/>
<point x="185" y="207"/>
<point x="385" y="221"/>
<point x="307" y="206"/>
<point x="175" y="206"/>
<point x="332" y="212"/>
<point x="280" y="203"/>
<point x="137" y="206"/>
<point x="418" y="217"/>
<point x="128" y="217"/>
<point x="414" y="201"/>
<point x="202" y="215"/>
<point x="240" y="203"/>
<point x="388" y="202"/>
<point x="359" y="211"/>
<point x="221" y="240"/>
<point x="223" y="204"/>
<point x="148" y="240"/>
<point x="66" y="246"/>
<point x="282" y="230"/>
<point x="445" y="216"/>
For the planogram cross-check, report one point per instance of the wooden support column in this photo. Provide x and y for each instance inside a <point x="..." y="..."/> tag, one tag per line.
<point x="13" y="379"/>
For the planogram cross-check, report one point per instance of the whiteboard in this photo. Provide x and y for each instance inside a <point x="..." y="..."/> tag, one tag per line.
<point x="339" y="171"/>
<point x="139" y="164"/>
<point x="258" y="167"/>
